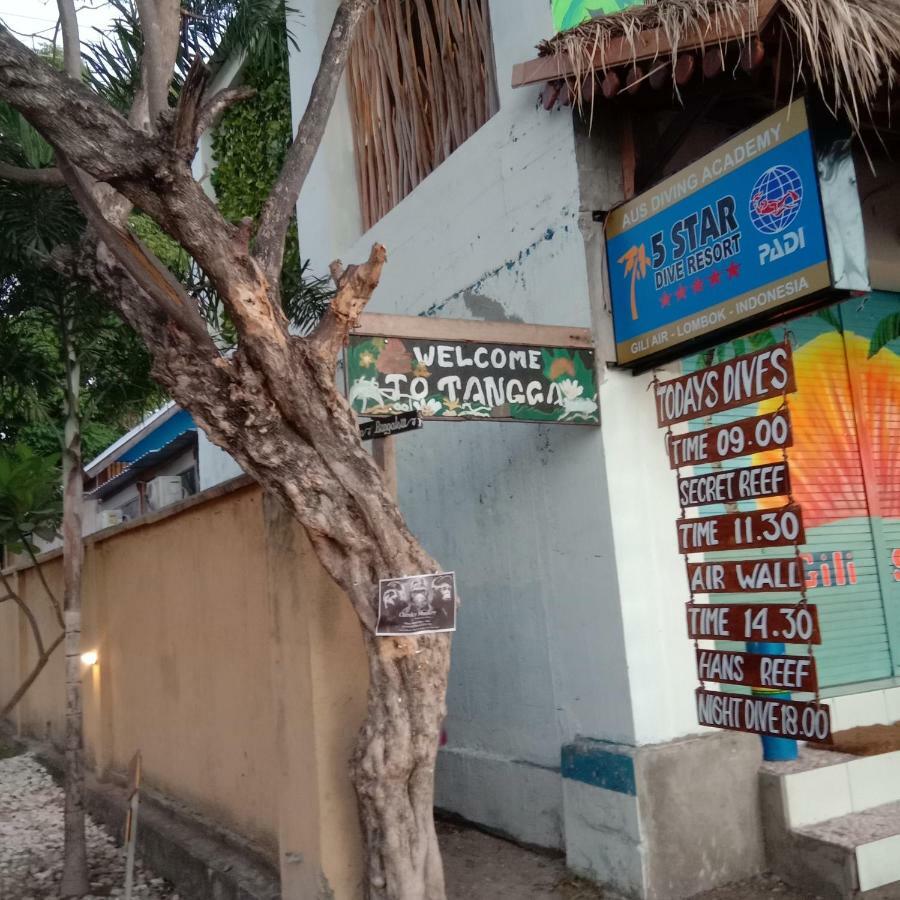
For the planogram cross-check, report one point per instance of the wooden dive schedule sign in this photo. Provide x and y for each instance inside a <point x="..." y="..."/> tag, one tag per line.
<point x="772" y="675"/>
<point x="746" y="576"/>
<point x="758" y="670"/>
<point x="782" y="527"/>
<point x="764" y="715"/>
<point x="731" y="485"/>
<point x="752" y="435"/>
<point x="746" y="379"/>
<point x="772" y="622"/>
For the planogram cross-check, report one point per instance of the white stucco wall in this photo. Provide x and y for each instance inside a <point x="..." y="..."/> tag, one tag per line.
<point x="642" y="488"/>
<point x="520" y="511"/>
<point x="213" y="464"/>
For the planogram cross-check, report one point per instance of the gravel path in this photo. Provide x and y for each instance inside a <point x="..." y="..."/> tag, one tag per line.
<point x="31" y="841"/>
<point x="478" y="866"/>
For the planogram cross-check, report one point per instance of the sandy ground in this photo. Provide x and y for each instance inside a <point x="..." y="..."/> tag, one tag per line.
<point x="481" y="867"/>
<point x="478" y="866"/>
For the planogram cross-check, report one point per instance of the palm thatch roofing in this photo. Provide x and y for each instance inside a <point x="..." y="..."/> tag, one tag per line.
<point x="847" y="49"/>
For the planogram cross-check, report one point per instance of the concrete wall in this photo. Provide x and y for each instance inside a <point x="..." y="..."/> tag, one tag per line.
<point x="231" y="661"/>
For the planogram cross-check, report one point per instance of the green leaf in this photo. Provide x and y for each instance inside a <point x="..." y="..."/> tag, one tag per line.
<point x="831" y="315"/>
<point x="887" y="330"/>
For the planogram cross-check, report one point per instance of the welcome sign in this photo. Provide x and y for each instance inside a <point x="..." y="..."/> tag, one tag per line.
<point x="456" y="379"/>
<point x="739" y="235"/>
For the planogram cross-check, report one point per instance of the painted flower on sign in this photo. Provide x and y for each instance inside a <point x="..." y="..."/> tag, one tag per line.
<point x="429" y="407"/>
<point x="560" y="366"/>
<point x="573" y="404"/>
<point x="394" y="358"/>
<point x="366" y="359"/>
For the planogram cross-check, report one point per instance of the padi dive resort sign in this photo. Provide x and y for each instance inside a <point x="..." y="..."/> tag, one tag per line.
<point x="740" y="236"/>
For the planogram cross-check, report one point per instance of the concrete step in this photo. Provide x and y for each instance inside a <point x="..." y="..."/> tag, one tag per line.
<point x="823" y="785"/>
<point x="832" y="823"/>
<point x="869" y="839"/>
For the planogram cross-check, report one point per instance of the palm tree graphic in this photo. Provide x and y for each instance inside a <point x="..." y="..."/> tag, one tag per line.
<point x="636" y="263"/>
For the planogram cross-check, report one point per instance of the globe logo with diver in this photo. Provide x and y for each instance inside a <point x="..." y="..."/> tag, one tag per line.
<point x="775" y="199"/>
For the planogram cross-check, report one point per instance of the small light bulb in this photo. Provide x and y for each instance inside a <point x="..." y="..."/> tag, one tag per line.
<point x="89" y="658"/>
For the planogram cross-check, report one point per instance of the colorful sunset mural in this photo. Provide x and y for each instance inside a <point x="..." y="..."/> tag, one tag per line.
<point x="845" y="474"/>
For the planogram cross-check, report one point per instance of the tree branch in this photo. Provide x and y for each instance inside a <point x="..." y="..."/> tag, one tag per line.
<point x="141" y="265"/>
<point x="282" y="200"/>
<point x="41" y="177"/>
<point x="32" y="621"/>
<point x="160" y="24"/>
<point x="145" y="169"/>
<point x="71" y="40"/>
<point x="43" y="578"/>
<point x="355" y="286"/>
<point x="193" y="116"/>
<point x="215" y="107"/>
<point x="42" y="661"/>
<point x="188" y="109"/>
<point x="70" y="116"/>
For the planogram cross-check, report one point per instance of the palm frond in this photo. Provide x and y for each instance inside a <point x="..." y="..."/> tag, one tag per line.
<point x="212" y="30"/>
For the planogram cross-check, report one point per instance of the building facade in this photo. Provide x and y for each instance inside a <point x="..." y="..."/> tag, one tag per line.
<point x="572" y="721"/>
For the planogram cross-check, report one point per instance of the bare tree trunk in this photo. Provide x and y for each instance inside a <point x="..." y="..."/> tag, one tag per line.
<point x="75" y="881"/>
<point x="296" y="434"/>
<point x="393" y="767"/>
<point x="273" y="404"/>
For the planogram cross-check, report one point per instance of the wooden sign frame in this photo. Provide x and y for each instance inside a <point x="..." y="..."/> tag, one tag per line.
<point x="781" y="623"/>
<point x="802" y="721"/>
<point x="778" y="527"/>
<point x="737" y="382"/>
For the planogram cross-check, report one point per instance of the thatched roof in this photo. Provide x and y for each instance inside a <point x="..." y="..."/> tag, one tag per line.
<point x="848" y="49"/>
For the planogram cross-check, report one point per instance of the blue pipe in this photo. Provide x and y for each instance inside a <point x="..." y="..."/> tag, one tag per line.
<point x="775" y="749"/>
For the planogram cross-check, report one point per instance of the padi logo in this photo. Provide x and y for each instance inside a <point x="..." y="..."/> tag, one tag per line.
<point x="775" y="199"/>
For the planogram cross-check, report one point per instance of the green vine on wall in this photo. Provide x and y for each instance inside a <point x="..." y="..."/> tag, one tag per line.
<point x="249" y="146"/>
<point x="250" y="143"/>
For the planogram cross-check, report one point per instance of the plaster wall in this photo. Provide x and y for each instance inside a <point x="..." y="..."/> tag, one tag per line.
<point x="520" y="512"/>
<point x="229" y="658"/>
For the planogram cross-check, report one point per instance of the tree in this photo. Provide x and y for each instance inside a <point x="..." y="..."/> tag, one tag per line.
<point x="55" y="333"/>
<point x="273" y="403"/>
<point x="29" y="506"/>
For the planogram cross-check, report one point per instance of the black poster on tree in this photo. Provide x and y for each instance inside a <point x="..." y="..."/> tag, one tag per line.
<point x="419" y="604"/>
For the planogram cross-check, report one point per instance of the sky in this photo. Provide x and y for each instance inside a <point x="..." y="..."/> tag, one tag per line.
<point x="34" y="21"/>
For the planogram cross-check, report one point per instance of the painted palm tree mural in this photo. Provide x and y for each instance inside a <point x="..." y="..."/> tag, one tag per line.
<point x="569" y="13"/>
<point x="636" y="264"/>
